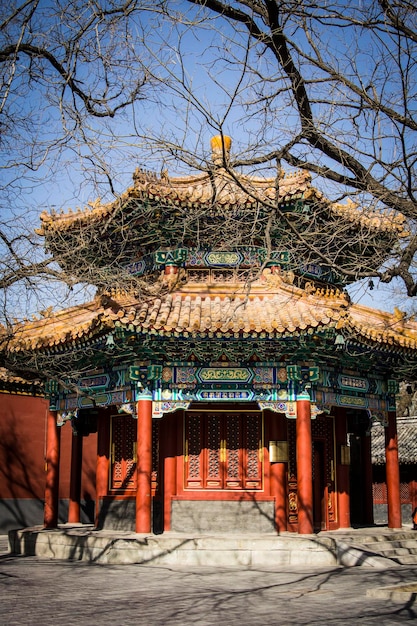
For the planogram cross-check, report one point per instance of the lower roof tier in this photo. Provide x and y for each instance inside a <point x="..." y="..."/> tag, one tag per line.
<point x="269" y="309"/>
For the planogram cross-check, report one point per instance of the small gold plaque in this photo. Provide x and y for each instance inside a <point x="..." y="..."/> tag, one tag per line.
<point x="278" y="451"/>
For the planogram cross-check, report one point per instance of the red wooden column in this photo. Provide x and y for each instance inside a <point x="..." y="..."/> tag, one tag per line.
<point x="413" y="493"/>
<point x="393" y="472"/>
<point x="304" y="465"/>
<point x="75" y="479"/>
<point x="53" y="441"/>
<point x="170" y="466"/>
<point x="103" y="463"/>
<point x="342" y="468"/>
<point x="278" y="472"/>
<point x="144" y="464"/>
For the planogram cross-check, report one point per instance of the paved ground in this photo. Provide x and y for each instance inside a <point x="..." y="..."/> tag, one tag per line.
<point x="49" y="592"/>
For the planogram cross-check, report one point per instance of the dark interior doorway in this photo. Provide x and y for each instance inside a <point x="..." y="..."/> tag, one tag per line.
<point x="319" y="487"/>
<point x="360" y="468"/>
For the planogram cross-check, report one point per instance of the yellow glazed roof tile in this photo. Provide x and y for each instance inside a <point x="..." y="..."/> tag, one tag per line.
<point x="226" y="190"/>
<point x="229" y="310"/>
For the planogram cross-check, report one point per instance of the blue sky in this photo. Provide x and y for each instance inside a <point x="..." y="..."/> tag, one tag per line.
<point x="73" y="174"/>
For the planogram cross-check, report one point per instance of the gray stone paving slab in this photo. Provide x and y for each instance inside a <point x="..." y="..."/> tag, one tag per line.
<point x="50" y="592"/>
<point x="4" y="544"/>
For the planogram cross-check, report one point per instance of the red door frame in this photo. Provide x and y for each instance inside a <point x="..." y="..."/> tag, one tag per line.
<point x="220" y="454"/>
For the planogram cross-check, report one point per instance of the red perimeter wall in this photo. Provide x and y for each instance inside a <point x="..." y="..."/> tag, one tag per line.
<point x="22" y="462"/>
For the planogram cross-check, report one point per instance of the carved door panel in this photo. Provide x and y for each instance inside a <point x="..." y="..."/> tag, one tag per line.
<point x="223" y="450"/>
<point x="194" y="451"/>
<point x="253" y="451"/>
<point x="123" y="453"/>
<point x="233" y="452"/>
<point x="213" y="450"/>
<point x="324" y="513"/>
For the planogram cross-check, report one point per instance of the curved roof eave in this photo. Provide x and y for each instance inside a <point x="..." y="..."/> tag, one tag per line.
<point x="279" y="312"/>
<point x="222" y="188"/>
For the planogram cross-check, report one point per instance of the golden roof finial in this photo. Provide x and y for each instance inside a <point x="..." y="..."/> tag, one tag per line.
<point x="220" y="146"/>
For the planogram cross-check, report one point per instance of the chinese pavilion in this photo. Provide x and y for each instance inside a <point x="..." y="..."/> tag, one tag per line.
<point x="238" y="391"/>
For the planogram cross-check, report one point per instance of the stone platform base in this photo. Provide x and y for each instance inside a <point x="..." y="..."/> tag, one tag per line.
<point x="211" y="516"/>
<point x="84" y="543"/>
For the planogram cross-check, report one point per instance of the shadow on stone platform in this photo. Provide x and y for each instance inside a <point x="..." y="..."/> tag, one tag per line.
<point x="369" y="547"/>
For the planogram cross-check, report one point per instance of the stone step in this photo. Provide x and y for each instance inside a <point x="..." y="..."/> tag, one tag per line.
<point x="172" y="549"/>
<point x="87" y="544"/>
<point x="380" y="546"/>
<point x="400" y="550"/>
<point x="395" y="553"/>
<point x="409" y="559"/>
<point x="365" y="539"/>
<point x="400" y="536"/>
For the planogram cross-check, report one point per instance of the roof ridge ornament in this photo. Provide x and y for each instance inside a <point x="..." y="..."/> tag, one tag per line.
<point x="220" y="149"/>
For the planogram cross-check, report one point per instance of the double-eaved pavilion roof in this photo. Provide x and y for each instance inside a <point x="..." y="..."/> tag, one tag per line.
<point x="205" y="300"/>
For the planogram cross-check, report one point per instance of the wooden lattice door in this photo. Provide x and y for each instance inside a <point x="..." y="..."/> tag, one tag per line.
<point x="324" y="499"/>
<point x="123" y="453"/>
<point x="223" y="450"/>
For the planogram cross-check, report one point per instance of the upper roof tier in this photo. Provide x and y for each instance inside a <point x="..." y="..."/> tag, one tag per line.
<point x="221" y="209"/>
